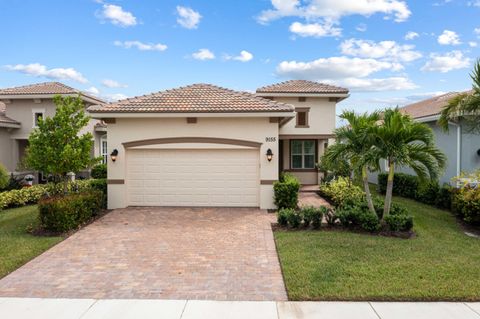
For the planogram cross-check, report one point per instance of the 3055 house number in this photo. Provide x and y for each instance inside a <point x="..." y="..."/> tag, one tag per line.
<point x="270" y="139"/>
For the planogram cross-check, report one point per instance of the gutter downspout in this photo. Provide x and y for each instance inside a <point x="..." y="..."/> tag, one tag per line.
<point x="459" y="146"/>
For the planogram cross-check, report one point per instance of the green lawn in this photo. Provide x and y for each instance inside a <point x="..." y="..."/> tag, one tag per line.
<point x="441" y="263"/>
<point x="17" y="246"/>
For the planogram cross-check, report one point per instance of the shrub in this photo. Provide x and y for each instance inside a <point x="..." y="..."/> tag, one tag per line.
<point x="3" y="177"/>
<point x="444" y="199"/>
<point x="399" y="222"/>
<point x="63" y="213"/>
<point x="330" y="216"/>
<point x="342" y="192"/>
<point x="282" y="219"/>
<point x="312" y="216"/>
<point x="369" y="221"/>
<point x="427" y="192"/>
<point x="99" y="171"/>
<point x="403" y="184"/>
<point x="466" y="204"/>
<point x="358" y="216"/>
<point x="293" y="217"/>
<point x="286" y="191"/>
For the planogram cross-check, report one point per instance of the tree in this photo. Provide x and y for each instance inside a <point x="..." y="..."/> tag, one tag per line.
<point x="406" y="143"/>
<point x="355" y="142"/>
<point x="56" y="146"/>
<point x="464" y="106"/>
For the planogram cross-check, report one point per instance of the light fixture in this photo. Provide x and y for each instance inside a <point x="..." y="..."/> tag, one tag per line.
<point x="269" y="155"/>
<point x="114" y="154"/>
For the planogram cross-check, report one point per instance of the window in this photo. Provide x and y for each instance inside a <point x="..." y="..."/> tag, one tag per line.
<point x="103" y="149"/>
<point x="36" y="117"/>
<point x="302" y="99"/>
<point x="303" y="154"/>
<point x="302" y="117"/>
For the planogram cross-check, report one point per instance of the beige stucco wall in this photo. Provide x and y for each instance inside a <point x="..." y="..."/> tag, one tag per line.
<point x="321" y="117"/>
<point x="306" y="178"/>
<point x="134" y="129"/>
<point x="22" y="110"/>
<point x="6" y="148"/>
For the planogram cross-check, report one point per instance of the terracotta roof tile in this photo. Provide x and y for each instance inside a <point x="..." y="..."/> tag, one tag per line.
<point x="301" y="86"/>
<point x="196" y="98"/>
<point x="429" y="107"/>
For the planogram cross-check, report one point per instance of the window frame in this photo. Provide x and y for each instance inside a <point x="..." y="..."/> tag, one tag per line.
<point x="34" y="117"/>
<point x="104" y="151"/>
<point x="303" y="154"/>
<point x="306" y="111"/>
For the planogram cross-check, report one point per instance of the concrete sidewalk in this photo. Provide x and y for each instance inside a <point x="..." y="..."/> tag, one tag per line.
<point x="19" y="308"/>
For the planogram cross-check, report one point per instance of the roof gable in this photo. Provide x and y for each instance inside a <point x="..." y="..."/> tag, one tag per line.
<point x="429" y="107"/>
<point x="195" y="98"/>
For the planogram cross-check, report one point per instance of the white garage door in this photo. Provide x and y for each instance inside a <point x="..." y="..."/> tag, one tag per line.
<point x="201" y="177"/>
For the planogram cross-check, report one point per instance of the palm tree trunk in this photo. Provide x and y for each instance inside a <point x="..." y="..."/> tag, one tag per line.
<point x="367" y="189"/>
<point x="388" y="196"/>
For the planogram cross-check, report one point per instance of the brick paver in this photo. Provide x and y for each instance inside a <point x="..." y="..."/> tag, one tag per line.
<point x="311" y="199"/>
<point x="167" y="253"/>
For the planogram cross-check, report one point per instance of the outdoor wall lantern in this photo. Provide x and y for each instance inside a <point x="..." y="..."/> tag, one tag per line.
<point x="114" y="154"/>
<point x="269" y="155"/>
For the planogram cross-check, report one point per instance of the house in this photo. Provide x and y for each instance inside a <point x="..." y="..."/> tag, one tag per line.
<point x="203" y="145"/>
<point x="20" y="109"/>
<point x="461" y="147"/>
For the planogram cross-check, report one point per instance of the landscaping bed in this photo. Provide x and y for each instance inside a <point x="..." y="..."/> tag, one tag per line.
<point x="440" y="263"/>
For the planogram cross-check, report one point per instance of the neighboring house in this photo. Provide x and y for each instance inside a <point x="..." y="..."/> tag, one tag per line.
<point x="20" y="109"/>
<point x="461" y="147"/>
<point x="202" y="145"/>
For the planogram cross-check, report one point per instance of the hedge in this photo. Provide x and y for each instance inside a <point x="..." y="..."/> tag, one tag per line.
<point x="286" y="191"/>
<point x="99" y="171"/>
<point x="466" y="204"/>
<point x="64" y="213"/>
<point x="32" y="194"/>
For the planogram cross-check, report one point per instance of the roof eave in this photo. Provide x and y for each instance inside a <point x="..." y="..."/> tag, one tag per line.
<point x="86" y="98"/>
<point x="100" y="115"/>
<point x="296" y="94"/>
<point x="10" y="125"/>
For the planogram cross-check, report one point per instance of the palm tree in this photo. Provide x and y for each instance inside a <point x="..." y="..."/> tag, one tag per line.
<point x="406" y="143"/>
<point x="464" y="106"/>
<point x="355" y="142"/>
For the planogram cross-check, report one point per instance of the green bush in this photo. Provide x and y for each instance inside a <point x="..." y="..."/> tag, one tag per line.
<point x="32" y="194"/>
<point x="444" y="199"/>
<point x="369" y="221"/>
<point x="99" y="171"/>
<point x="312" y="216"/>
<point x="64" y="213"/>
<point x="466" y="204"/>
<point x="342" y="192"/>
<point x="330" y="216"/>
<point x="428" y="192"/>
<point x="4" y="177"/>
<point x="403" y="184"/>
<point x="286" y="191"/>
<point x="399" y="222"/>
<point x="293" y="217"/>
<point x="282" y="219"/>
<point x="358" y="216"/>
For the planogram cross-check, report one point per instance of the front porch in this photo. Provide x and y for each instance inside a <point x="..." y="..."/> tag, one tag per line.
<point x="299" y="156"/>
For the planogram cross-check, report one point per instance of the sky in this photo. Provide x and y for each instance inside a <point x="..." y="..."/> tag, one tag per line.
<point x="387" y="52"/>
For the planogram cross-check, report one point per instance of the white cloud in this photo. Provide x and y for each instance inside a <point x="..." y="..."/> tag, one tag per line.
<point x="141" y="46"/>
<point x="411" y="35"/>
<point x="39" y="70"/>
<point x="117" y="16"/>
<point x="93" y="91"/>
<point x="334" y="9"/>
<point x="475" y="3"/>
<point x="334" y="68"/>
<point x="449" y="38"/>
<point x="113" y="84"/>
<point x="376" y="85"/>
<point x="244" y="56"/>
<point x="476" y="31"/>
<point x="188" y="18"/>
<point x="447" y="62"/>
<point x="315" y="30"/>
<point x="115" y="96"/>
<point x="203" y="54"/>
<point x="362" y="27"/>
<point x="387" y="50"/>
<point x="473" y="44"/>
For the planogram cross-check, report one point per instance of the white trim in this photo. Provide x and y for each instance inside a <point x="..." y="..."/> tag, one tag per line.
<point x="10" y="125"/>
<point x="459" y="146"/>
<point x="339" y="95"/>
<point x="302" y="154"/>
<point x="5" y="97"/>
<point x="104" y="152"/>
<point x="96" y="115"/>
<point x="429" y="118"/>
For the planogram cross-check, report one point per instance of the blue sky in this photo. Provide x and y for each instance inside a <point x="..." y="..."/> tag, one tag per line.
<point x="124" y="48"/>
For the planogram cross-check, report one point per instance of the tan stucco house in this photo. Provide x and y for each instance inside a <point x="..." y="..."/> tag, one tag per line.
<point x="20" y="109"/>
<point x="203" y="145"/>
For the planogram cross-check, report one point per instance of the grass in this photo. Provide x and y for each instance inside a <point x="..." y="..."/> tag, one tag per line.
<point x="17" y="246"/>
<point x="441" y="263"/>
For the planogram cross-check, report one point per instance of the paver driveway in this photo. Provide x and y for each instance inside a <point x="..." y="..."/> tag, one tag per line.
<point x="167" y="253"/>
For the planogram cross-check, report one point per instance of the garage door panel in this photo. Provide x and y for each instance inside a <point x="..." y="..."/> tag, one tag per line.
<point x="193" y="177"/>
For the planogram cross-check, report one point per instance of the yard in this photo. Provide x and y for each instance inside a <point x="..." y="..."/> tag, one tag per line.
<point x="441" y="263"/>
<point x="17" y="246"/>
